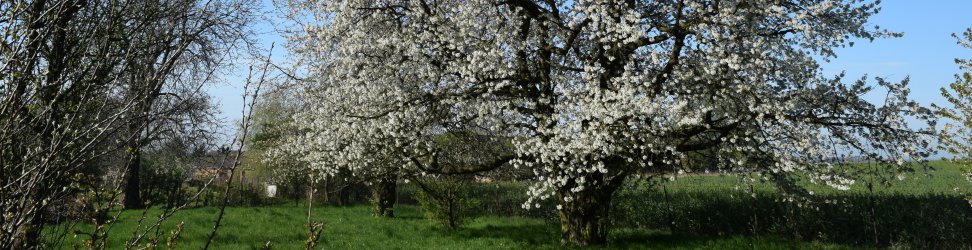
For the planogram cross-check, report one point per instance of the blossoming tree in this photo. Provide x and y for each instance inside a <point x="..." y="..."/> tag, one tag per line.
<point x="592" y="93"/>
<point x="957" y="134"/>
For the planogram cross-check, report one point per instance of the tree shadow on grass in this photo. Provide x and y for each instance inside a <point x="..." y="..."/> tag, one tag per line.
<point x="409" y="217"/>
<point x="638" y="239"/>
<point x="628" y="239"/>
<point x="531" y="234"/>
<point x="408" y="212"/>
<point x="541" y="235"/>
<point x="933" y="220"/>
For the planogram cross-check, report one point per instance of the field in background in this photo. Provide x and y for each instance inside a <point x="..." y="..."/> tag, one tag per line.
<point x="926" y="209"/>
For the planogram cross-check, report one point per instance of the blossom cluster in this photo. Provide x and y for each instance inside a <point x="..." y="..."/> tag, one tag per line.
<point x="591" y="92"/>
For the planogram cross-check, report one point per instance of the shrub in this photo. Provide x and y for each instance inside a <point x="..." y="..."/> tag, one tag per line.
<point x="163" y="183"/>
<point x="929" y="220"/>
<point x="446" y="199"/>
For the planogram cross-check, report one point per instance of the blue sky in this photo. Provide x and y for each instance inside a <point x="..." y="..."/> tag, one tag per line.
<point x="926" y="53"/>
<point x="227" y="95"/>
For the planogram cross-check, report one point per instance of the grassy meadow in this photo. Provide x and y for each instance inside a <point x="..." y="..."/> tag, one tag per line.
<point x="354" y="227"/>
<point x="924" y="210"/>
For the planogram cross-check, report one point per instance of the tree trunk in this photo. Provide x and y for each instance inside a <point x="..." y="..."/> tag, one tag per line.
<point x="133" y="198"/>
<point x="584" y="219"/>
<point x="343" y="196"/>
<point x="385" y="193"/>
<point x="31" y="235"/>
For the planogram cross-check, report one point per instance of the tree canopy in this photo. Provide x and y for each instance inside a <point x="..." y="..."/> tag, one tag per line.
<point x="591" y="93"/>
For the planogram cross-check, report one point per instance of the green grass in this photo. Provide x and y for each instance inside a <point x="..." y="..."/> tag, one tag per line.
<point x="925" y="210"/>
<point x="942" y="178"/>
<point x="699" y="212"/>
<point x="355" y="228"/>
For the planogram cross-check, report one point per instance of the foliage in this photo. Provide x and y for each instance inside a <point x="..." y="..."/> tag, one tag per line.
<point x="164" y="184"/>
<point x="167" y="170"/>
<point x="922" y="211"/>
<point x="591" y="93"/>
<point x="497" y="198"/>
<point x="446" y="199"/>
<point x="314" y="231"/>
<point x="81" y="82"/>
<point x="957" y="134"/>
<point x="272" y="126"/>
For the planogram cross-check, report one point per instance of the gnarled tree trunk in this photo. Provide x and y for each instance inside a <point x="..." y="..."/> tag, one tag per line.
<point x="385" y="192"/>
<point x="584" y="214"/>
<point x="584" y="220"/>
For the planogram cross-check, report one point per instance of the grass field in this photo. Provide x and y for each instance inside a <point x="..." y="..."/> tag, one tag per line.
<point x="354" y="228"/>
<point x="926" y="209"/>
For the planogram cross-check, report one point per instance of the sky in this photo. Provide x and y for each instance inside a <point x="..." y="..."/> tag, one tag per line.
<point x="926" y="53"/>
<point x="228" y="94"/>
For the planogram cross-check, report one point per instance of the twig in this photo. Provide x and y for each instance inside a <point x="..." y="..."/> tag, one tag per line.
<point x="243" y="132"/>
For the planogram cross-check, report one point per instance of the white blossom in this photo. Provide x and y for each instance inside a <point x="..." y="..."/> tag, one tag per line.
<point x="589" y="91"/>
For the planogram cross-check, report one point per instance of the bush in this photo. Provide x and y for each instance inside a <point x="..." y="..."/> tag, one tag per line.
<point x="162" y="184"/>
<point x="938" y="221"/>
<point x="709" y="205"/>
<point x="499" y="198"/>
<point x="446" y="199"/>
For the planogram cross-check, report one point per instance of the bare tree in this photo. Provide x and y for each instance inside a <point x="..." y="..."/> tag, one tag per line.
<point x="79" y="79"/>
<point x="184" y="43"/>
<point x="245" y="124"/>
